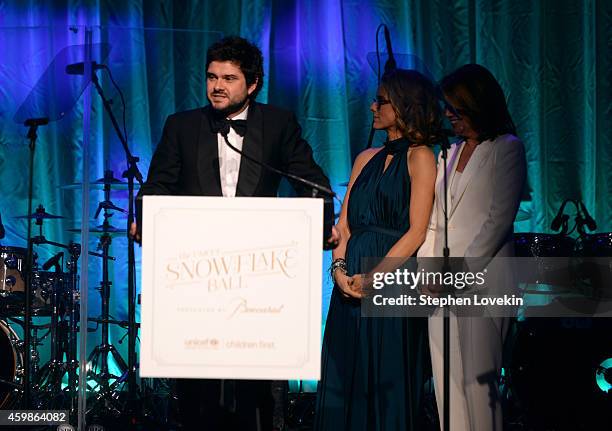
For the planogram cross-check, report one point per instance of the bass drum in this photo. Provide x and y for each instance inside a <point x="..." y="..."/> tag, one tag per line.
<point x="11" y="370"/>
<point x="553" y="366"/>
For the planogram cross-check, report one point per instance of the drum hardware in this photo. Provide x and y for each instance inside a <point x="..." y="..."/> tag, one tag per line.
<point x="40" y="215"/>
<point x="100" y="183"/>
<point x="52" y="295"/>
<point x="49" y="377"/>
<point x="106" y="384"/>
<point x="56" y="294"/>
<point x="69" y="293"/>
<point x="98" y="358"/>
<point x="12" y="264"/>
<point x="555" y="364"/>
<point x="109" y="229"/>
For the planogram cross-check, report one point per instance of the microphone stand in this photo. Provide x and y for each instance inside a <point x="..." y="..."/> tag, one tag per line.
<point x="445" y="145"/>
<point x="389" y="66"/>
<point x="131" y="173"/>
<point x="33" y="124"/>
<point x="316" y="188"/>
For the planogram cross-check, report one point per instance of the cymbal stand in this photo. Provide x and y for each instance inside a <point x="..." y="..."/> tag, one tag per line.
<point x="99" y="355"/>
<point x="32" y="124"/>
<point x="72" y="309"/>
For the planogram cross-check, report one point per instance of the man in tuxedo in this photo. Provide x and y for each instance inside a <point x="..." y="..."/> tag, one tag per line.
<point x="193" y="159"/>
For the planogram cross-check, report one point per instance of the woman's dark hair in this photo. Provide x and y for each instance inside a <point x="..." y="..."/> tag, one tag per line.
<point x="474" y="92"/>
<point x="246" y="55"/>
<point x="413" y="98"/>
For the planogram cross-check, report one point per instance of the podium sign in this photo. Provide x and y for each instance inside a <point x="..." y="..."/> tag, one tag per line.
<point x="231" y="287"/>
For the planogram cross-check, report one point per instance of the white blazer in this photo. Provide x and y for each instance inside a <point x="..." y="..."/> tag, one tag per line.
<point x="480" y="222"/>
<point x="480" y="225"/>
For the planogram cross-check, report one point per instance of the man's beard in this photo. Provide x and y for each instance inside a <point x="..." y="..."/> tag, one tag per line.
<point x="232" y="108"/>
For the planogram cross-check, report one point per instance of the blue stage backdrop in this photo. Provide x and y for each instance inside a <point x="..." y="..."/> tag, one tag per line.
<point x="553" y="59"/>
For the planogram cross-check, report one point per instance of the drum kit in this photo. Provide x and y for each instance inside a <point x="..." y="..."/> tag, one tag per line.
<point x="55" y="307"/>
<point x="553" y="364"/>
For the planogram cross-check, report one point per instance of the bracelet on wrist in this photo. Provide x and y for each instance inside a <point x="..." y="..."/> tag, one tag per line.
<point x="339" y="263"/>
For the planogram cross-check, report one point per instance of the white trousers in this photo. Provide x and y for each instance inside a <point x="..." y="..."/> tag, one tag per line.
<point x="475" y="364"/>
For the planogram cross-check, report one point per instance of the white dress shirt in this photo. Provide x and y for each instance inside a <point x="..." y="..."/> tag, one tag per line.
<point x="229" y="160"/>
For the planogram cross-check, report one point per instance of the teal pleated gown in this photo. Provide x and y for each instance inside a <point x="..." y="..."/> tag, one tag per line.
<point x="373" y="369"/>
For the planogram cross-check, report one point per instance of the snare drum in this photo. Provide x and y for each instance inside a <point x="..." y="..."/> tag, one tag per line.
<point x="11" y="358"/>
<point x="12" y="262"/>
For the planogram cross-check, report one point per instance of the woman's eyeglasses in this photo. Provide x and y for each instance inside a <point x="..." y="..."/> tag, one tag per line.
<point x="459" y="112"/>
<point x="380" y="101"/>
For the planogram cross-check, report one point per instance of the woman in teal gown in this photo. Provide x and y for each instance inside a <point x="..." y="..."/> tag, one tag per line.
<point x="373" y="369"/>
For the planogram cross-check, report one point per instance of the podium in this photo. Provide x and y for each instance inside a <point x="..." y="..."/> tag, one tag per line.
<point x="231" y="288"/>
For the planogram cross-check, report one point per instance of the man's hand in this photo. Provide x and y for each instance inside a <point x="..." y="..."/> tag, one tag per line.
<point x="333" y="240"/>
<point x="134" y="232"/>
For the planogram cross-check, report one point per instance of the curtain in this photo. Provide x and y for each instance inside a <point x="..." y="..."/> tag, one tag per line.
<point x="552" y="58"/>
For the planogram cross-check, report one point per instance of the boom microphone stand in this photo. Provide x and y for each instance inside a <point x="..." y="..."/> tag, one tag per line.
<point x="131" y="173"/>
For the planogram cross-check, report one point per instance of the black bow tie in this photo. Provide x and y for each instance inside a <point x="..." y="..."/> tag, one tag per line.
<point x="222" y="125"/>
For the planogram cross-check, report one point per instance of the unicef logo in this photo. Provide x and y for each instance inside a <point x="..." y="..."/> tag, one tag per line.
<point x="65" y="427"/>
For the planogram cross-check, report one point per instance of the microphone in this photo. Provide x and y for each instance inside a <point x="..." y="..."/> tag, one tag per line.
<point x="79" y="68"/>
<point x="318" y="187"/>
<point x="54" y="261"/>
<point x="560" y="217"/>
<point x="2" y="231"/>
<point x="328" y="195"/>
<point x="588" y="220"/>
<point x="390" y="64"/>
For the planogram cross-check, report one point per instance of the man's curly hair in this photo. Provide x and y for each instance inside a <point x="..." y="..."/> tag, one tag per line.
<point x="244" y="54"/>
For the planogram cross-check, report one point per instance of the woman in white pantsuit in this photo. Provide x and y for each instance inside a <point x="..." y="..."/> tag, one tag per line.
<point x="486" y="174"/>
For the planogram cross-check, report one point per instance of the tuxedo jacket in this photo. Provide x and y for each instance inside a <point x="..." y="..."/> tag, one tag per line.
<point x="186" y="161"/>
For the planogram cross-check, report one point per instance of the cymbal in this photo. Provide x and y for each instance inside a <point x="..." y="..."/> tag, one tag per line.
<point x="38" y="215"/>
<point x="98" y="184"/>
<point x="110" y="229"/>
